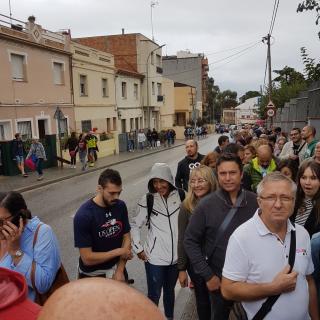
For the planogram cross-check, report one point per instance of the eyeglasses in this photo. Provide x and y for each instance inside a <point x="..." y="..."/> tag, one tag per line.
<point x="194" y="165"/>
<point x="273" y="199"/>
<point x="2" y="221"/>
<point x="199" y="182"/>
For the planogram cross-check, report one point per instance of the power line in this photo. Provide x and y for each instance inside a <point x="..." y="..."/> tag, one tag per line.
<point x="230" y="49"/>
<point x="274" y="15"/>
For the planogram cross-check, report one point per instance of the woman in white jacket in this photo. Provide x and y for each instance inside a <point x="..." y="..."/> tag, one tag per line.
<point x="160" y="249"/>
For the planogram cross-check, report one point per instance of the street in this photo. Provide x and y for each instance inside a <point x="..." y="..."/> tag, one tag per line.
<point x="57" y="203"/>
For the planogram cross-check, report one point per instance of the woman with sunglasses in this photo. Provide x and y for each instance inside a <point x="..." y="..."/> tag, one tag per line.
<point x="202" y="181"/>
<point x="21" y="251"/>
<point x="307" y="209"/>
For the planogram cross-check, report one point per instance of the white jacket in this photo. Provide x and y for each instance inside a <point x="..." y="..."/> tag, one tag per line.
<point x="287" y="151"/>
<point x="162" y="238"/>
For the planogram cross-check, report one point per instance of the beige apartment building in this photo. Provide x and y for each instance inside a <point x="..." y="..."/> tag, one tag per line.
<point x="94" y="90"/>
<point x="137" y="53"/>
<point x="129" y="100"/>
<point x="185" y="106"/>
<point x="34" y="80"/>
<point x="167" y="112"/>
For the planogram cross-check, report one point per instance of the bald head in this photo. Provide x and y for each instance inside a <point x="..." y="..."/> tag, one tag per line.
<point x="99" y="299"/>
<point x="264" y="154"/>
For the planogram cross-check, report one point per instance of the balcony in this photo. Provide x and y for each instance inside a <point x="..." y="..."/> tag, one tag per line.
<point x="160" y="98"/>
<point x="159" y="70"/>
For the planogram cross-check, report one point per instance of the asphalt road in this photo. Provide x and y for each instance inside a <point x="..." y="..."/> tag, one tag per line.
<point x="56" y="204"/>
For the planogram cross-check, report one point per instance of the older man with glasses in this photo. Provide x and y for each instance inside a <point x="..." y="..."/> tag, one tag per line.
<point x="268" y="256"/>
<point x="295" y="148"/>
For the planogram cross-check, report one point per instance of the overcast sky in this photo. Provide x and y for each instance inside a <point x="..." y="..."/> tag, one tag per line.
<point x="203" y="26"/>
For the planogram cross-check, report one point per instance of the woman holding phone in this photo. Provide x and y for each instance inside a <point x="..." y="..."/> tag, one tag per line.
<point x="27" y="244"/>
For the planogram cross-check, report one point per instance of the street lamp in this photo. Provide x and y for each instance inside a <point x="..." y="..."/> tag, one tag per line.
<point x="148" y="96"/>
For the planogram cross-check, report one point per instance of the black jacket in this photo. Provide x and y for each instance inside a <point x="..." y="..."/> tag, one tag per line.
<point x="17" y="148"/>
<point x="203" y="226"/>
<point x="183" y="171"/>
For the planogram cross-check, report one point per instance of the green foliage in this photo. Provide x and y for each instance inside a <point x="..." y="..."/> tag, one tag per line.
<point x="288" y="76"/>
<point x="248" y="95"/>
<point x="281" y="95"/>
<point x="311" y="68"/>
<point x="309" y="5"/>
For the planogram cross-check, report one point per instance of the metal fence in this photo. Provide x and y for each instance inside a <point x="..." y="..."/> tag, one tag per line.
<point x="305" y="109"/>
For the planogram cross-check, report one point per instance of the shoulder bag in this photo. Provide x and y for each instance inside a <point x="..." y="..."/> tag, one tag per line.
<point x="60" y="279"/>
<point x="238" y="312"/>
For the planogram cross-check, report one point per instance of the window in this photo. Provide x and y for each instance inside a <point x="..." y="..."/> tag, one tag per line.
<point x="2" y="135"/>
<point x="18" y="63"/>
<point x="58" y="73"/>
<point x="152" y="58"/>
<point x="108" y="124"/>
<point x="158" y="60"/>
<point x="64" y="127"/>
<point x="114" y="123"/>
<point x="159" y="85"/>
<point x="83" y="85"/>
<point x="153" y="88"/>
<point x="86" y="125"/>
<point x="105" y="88"/>
<point x="135" y="90"/>
<point x="25" y="129"/>
<point x="124" y="90"/>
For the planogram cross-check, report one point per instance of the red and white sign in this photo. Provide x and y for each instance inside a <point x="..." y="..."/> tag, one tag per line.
<point x="270" y="113"/>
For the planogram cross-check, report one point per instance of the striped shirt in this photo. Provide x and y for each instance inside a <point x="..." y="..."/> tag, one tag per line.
<point x="304" y="212"/>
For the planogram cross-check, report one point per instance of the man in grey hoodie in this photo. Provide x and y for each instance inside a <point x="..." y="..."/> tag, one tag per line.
<point x="205" y="250"/>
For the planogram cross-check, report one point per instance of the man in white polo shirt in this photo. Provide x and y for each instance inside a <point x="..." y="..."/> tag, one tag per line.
<point x="256" y="264"/>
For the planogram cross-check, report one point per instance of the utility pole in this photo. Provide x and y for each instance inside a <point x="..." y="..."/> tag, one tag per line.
<point x="267" y="40"/>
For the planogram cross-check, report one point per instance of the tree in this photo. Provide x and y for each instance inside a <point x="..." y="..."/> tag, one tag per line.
<point x="213" y="91"/>
<point x="311" y="68"/>
<point x="288" y="76"/>
<point x="248" y="95"/>
<point x="286" y="86"/>
<point x="309" y="5"/>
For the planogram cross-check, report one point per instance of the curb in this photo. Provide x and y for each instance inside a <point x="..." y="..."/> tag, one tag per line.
<point x="52" y="181"/>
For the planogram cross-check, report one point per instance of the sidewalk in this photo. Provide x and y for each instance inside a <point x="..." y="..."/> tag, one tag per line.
<point x="56" y="174"/>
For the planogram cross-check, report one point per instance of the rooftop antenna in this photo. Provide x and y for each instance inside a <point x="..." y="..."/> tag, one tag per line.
<point x="152" y="5"/>
<point x="10" y="12"/>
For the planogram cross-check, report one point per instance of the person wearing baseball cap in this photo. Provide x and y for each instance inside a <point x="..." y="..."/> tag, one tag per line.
<point x="14" y="302"/>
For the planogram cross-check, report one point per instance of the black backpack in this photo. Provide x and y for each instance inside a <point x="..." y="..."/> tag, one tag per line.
<point x="150" y="200"/>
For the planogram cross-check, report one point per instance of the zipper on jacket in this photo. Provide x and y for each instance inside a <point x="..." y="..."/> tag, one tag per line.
<point x="166" y="206"/>
<point x="154" y="243"/>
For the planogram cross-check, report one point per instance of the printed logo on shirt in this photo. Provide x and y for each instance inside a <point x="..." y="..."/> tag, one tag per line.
<point x="194" y="165"/>
<point x="301" y="251"/>
<point x="111" y="229"/>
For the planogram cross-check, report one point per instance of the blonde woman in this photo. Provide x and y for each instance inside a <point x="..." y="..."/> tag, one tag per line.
<point x="201" y="182"/>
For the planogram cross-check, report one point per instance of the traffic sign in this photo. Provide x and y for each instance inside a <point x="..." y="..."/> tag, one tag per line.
<point x="271" y="105"/>
<point x="270" y="112"/>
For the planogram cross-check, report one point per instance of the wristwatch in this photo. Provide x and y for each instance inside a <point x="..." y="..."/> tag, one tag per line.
<point x="18" y="254"/>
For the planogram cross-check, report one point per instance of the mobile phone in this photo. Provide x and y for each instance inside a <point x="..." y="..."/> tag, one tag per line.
<point x="16" y="220"/>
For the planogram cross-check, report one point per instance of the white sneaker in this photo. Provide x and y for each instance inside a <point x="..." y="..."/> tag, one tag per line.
<point x="74" y="167"/>
<point x="40" y="178"/>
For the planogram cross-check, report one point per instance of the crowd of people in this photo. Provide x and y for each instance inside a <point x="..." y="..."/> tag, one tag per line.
<point x="234" y="224"/>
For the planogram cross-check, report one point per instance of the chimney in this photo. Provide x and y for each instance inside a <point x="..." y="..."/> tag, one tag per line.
<point x="122" y="30"/>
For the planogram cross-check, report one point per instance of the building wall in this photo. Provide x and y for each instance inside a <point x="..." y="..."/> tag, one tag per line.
<point x="95" y="65"/>
<point x="34" y="98"/>
<point x="185" y="70"/>
<point x="129" y="107"/>
<point x="183" y="97"/>
<point x="39" y="86"/>
<point x="167" y="110"/>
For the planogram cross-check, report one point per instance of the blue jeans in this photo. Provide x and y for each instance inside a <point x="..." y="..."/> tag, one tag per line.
<point x="39" y="166"/>
<point x="162" y="277"/>
<point x="315" y="252"/>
